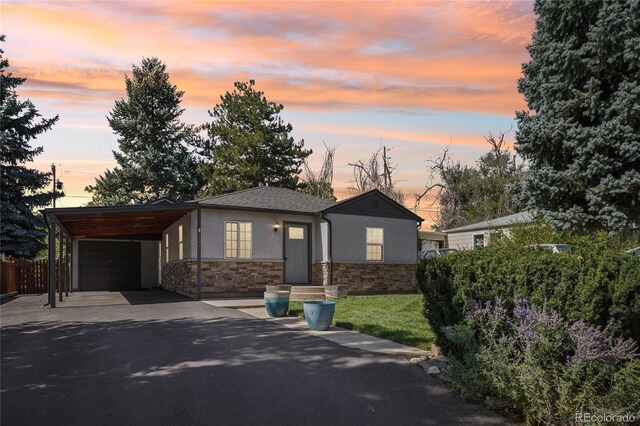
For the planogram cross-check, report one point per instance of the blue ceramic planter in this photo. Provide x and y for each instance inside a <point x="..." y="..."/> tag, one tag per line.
<point x="319" y="314"/>
<point x="276" y="303"/>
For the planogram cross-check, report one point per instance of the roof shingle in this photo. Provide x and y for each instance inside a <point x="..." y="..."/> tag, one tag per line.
<point x="269" y="198"/>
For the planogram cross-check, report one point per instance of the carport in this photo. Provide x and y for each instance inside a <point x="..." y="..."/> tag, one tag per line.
<point x="111" y="241"/>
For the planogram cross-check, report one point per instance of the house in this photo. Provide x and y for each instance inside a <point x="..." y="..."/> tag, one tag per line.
<point x="432" y="240"/>
<point x="237" y="243"/>
<point x="477" y="235"/>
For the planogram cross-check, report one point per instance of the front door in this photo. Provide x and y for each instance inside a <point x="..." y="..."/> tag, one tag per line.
<point x="296" y="253"/>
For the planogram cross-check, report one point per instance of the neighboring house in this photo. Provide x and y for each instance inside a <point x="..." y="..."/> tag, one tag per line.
<point x="238" y="243"/>
<point x="432" y="240"/>
<point x="477" y="235"/>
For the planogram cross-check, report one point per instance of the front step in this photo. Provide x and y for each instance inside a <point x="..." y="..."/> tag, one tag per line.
<point x="302" y="293"/>
<point x="317" y="289"/>
<point x="303" y="297"/>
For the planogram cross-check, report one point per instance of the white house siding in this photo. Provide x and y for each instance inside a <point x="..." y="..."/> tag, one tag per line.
<point x="148" y="261"/>
<point x="349" y="233"/>
<point x="464" y="240"/>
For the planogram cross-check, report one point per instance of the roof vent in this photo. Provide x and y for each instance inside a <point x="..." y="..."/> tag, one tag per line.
<point x="374" y="203"/>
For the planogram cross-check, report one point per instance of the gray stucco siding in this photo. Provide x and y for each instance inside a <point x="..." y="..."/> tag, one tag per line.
<point x="349" y="234"/>
<point x="267" y="244"/>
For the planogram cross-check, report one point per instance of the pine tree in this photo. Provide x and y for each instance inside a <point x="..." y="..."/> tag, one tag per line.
<point x="154" y="159"/>
<point x="581" y="136"/>
<point x="249" y="144"/>
<point x="22" y="189"/>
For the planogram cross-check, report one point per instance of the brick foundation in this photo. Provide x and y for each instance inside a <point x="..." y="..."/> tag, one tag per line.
<point x="236" y="278"/>
<point x="375" y="278"/>
<point x="180" y="277"/>
<point x="222" y="277"/>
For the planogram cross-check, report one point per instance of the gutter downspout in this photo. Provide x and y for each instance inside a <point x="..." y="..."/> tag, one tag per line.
<point x="329" y="238"/>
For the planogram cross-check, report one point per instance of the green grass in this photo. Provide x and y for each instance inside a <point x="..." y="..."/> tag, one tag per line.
<point x="396" y="317"/>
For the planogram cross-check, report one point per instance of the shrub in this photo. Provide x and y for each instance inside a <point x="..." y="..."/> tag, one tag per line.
<point x="540" y="365"/>
<point x="596" y="282"/>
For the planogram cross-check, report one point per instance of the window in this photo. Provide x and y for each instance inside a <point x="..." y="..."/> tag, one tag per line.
<point x="375" y="244"/>
<point x="180" y="243"/>
<point x="166" y="247"/>
<point x="237" y="240"/>
<point x="296" y="233"/>
<point x="478" y="241"/>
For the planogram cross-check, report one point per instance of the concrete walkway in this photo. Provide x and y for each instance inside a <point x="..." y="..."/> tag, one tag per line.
<point x="341" y="336"/>
<point x="239" y="303"/>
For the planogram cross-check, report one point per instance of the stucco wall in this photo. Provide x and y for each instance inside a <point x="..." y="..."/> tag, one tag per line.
<point x="266" y="243"/>
<point x="350" y="238"/>
<point x="188" y="236"/>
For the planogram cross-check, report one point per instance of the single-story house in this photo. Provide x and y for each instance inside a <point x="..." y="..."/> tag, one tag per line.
<point x="237" y="243"/>
<point x="477" y="235"/>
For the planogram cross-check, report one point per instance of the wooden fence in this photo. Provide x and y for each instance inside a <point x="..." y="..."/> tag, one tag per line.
<point x="25" y="276"/>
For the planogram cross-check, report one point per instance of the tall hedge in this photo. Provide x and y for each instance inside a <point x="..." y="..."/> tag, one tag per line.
<point x="597" y="283"/>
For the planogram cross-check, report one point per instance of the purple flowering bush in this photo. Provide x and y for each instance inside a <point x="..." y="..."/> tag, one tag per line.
<point x="534" y="362"/>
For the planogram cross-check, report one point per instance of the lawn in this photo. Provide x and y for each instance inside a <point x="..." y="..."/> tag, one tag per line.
<point x="396" y="317"/>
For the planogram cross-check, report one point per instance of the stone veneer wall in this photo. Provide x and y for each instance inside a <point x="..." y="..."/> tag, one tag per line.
<point x="371" y="278"/>
<point x="180" y="277"/>
<point x="222" y="277"/>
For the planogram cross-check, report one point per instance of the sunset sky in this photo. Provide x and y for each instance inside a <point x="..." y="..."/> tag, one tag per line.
<point x="418" y="76"/>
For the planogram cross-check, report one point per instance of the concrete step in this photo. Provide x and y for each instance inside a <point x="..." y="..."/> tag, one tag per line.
<point x="302" y="297"/>
<point x="317" y="289"/>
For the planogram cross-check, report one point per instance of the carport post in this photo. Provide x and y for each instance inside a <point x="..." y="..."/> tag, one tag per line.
<point x="199" y="254"/>
<point x="61" y="266"/>
<point x="52" y="263"/>
<point x="67" y="274"/>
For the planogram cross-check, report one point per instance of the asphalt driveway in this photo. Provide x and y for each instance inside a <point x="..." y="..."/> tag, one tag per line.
<point x="160" y="359"/>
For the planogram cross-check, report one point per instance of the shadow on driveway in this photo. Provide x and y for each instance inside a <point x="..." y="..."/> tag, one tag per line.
<point x="189" y="363"/>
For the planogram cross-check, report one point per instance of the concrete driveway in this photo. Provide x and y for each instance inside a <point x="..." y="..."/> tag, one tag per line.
<point x="159" y="359"/>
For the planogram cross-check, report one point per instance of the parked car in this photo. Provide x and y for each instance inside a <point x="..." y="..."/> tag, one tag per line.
<point x="634" y="251"/>
<point x="554" y="248"/>
<point x="423" y="254"/>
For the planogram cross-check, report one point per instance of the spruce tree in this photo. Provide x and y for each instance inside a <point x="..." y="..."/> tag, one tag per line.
<point x="155" y="158"/>
<point x="249" y="144"/>
<point x="23" y="190"/>
<point x="581" y="135"/>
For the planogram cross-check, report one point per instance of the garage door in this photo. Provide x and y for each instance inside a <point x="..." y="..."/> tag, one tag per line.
<point x="109" y="266"/>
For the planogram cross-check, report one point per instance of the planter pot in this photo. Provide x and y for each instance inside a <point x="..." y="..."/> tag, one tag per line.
<point x="319" y="314"/>
<point x="276" y="303"/>
<point x="279" y="287"/>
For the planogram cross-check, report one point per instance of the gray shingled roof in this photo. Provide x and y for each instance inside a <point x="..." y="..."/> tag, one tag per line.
<point x="498" y="222"/>
<point x="269" y="198"/>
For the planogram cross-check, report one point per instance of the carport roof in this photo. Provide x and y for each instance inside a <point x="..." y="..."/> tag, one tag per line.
<point x="110" y="221"/>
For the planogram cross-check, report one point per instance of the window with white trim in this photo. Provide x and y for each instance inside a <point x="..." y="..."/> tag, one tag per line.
<point x="237" y="240"/>
<point x="166" y="247"/>
<point x="478" y="241"/>
<point x="180" y="243"/>
<point x="375" y="244"/>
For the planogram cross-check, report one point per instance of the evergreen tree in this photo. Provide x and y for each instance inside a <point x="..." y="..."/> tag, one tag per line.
<point x="21" y="227"/>
<point x="154" y="159"/>
<point x="249" y="144"/>
<point x="581" y="136"/>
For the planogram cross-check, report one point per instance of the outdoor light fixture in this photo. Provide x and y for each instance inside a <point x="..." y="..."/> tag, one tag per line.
<point x="276" y="227"/>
